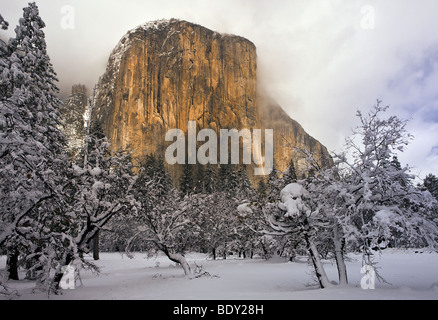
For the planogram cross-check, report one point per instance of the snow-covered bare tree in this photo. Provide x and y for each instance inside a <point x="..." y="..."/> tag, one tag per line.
<point x="214" y="223"/>
<point x="366" y="201"/>
<point x="367" y="198"/>
<point x="163" y="218"/>
<point x="300" y="219"/>
<point x="99" y="189"/>
<point x="382" y="204"/>
<point x="329" y="200"/>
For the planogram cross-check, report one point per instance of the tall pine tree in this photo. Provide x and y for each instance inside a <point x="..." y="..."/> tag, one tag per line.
<point x="187" y="183"/>
<point x="4" y="64"/>
<point x="210" y="179"/>
<point x="290" y="175"/>
<point x="430" y="183"/>
<point x="228" y="182"/>
<point x="32" y="157"/>
<point x="31" y="148"/>
<point x="274" y="185"/>
<point x="245" y="188"/>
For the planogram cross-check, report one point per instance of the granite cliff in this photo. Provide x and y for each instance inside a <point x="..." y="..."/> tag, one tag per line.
<point x="165" y="73"/>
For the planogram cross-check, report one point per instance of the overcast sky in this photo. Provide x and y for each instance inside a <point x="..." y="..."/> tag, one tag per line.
<point x="322" y="60"/>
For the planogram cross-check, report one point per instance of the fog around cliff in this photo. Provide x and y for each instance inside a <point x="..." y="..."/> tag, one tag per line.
<point x="321" y="60"/>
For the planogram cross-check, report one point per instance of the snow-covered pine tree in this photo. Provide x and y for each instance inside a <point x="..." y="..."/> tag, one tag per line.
<point x="32" y="157"/>
<point x="5" y="82"/>
<point x="245" y="189"/>
<point x="227" y="179"/>
<point x="290" y="175"/>
<point x="273" y="185"/>
<point x="430" y="183"/>
<point x="261" y="191"/>
<point x="221" y="222"/>
<point x="187" y="183"/>
<point x="199" y="179"/>
<point x="244" y="239"/>
<point x="210" y="179"/>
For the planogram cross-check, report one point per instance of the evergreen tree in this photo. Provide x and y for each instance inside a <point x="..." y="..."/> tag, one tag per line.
<point x="5" y="82"/>
<point x="245" y="188"/>
<point x="32" y="157"/>
<point x="187" y="184"/>
<point x="211" y="179"/>
<point x="228" y="182"/>
<point x="290" y="175"/>
<point x="430" y="183"/>
<point x="395" y="163"/>
<point x="261" y="190"/>
<point x="200" y="179"/>
<point x="273" y="185"/>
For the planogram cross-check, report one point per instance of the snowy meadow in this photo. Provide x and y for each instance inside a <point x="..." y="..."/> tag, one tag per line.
<point x="409" y="275"/>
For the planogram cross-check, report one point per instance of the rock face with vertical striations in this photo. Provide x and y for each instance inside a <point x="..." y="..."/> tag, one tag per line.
<point x="74" y="113"/>
<point x="165" y="73"/>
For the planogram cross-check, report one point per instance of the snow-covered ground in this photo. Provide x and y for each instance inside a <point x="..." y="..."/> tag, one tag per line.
<point x="411" y="274"/>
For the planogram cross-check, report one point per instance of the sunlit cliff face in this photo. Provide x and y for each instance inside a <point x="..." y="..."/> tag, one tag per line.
<point x="164" y="74"/>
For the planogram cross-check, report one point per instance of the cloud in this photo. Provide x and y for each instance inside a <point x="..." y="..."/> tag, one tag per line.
<point x="315" y="57"/>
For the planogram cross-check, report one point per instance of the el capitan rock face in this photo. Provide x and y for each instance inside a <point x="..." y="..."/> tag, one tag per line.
<point x="165" y="73"/>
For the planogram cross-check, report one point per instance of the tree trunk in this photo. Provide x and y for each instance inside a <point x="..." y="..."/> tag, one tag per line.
<point x="265" y="252"/>
<point x="214" y="253"/>
<point x="339" y="255"/>
<point x="314" y="256"/>
<point x="179" y="258"/>
<point x="175" y="257"/>
<point x="12" y="264"/>
<point x="96" y="246"/>
<point x="317" y="264"/>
